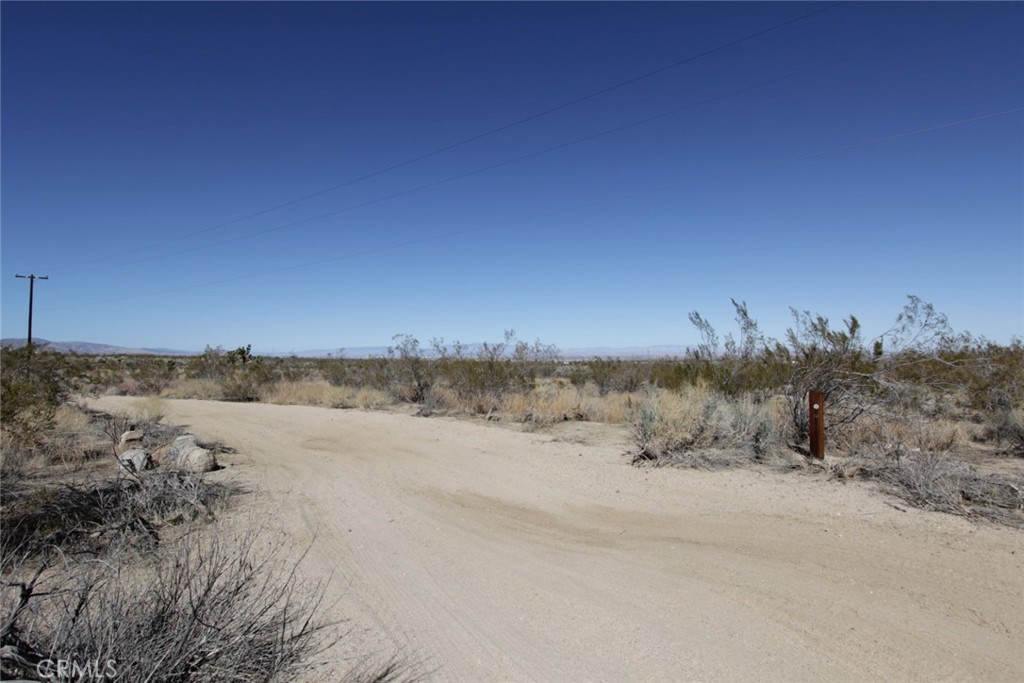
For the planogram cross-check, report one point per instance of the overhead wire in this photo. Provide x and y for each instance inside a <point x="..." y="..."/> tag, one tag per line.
<point x="464" y="141"/>
<point x="530" y="155"/>
<point x="576" y="207"/>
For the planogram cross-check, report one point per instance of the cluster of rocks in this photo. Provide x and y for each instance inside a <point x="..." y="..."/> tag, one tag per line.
<point x="183" y="453"/>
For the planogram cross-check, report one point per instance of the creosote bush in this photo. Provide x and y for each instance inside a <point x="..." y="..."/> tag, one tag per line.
<point x="208" y="607"/>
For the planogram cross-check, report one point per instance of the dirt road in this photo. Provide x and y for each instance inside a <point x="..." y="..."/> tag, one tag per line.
<point x="488" y="554"/>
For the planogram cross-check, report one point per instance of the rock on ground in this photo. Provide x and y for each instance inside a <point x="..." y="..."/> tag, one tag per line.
<point x="136" y="460"/>
<point x="198" y="460"/>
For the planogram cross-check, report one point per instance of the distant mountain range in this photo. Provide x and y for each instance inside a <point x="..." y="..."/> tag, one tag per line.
<point x="94" y="349"/>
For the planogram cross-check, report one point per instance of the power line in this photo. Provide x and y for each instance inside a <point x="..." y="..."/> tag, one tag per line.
<point x="523" y="157"/>
<point x="475" y="138"/>
<point x="576" y="207"/>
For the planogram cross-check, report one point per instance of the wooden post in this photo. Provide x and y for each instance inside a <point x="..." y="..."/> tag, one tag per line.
<point x="816" y="422"/>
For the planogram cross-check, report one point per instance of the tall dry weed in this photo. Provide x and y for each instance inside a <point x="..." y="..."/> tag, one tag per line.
<point x="323" y="394"/>
<point x="696" y="419"/>
<point x="198" y="388"/>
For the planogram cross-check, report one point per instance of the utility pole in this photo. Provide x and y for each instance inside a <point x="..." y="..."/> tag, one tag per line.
<point x="31" y="292"/>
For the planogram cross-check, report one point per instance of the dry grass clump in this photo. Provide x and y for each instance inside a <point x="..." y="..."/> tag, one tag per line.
<point x="287" y="392"/>
<point x="73" y="437"/>
<point x="323" y="394"/>
<point x="547" y="403"/>
<point x="910" y="433"/>
<point x="611" y="408"/>
<point x="198" y="388"/>
<point x="301" y="393"/>
<point x="544" y="405"/>
<point x="1008" y="429"/>
<point x="366" y="398"/>
<point x="698" y="426"/>
<point x="151" y="409"/>
<point x="65" y="435"/>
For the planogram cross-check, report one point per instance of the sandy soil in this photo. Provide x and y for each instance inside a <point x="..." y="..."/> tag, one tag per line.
<point x="482" y="553"/>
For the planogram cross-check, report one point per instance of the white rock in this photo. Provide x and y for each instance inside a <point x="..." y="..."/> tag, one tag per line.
<point x="198" y="460"/>
<point x="179" y="447"/>
<point x="136" y="460"/>
<point x="131" y="436"/>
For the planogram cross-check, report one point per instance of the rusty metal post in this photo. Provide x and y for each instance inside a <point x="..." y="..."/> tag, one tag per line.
<point x="816" y="422"/>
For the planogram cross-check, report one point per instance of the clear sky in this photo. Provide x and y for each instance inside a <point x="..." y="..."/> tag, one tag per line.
<point x="835" y="162"/>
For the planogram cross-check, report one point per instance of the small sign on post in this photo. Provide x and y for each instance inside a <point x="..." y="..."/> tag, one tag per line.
<point x="816" y="422"/>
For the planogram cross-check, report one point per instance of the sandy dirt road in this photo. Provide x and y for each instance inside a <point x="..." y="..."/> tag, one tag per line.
<point x="487" y="554"/>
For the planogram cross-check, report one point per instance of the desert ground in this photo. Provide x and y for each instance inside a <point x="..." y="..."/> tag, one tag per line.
<point x="477" y="552"/>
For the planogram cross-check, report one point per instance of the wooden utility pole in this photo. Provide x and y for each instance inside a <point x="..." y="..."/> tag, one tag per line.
<point x="816" y="422"/>
<point x="31" y="294"/>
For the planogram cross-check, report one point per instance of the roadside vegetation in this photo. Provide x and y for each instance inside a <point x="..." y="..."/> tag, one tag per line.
<point x="108" y="573"/>
<point x="934" y="415"/>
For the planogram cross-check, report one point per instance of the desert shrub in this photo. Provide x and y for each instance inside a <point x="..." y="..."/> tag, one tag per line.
<point x="833" y="361"/>
<point x="894" y="434"/>
<point x="546" y="404"/>
<point x="694" y="425"/>
<point x="484" y="379"/>
<point x="1007" y="426"/>
<point x="938" y="482"/>
<point x="300" y="393"/>
<point x="90" y="516"/>
<point x="409" y="373"/>
<point x="323" y="394"/>
<point x="612" y="374"/>
<point x="208" y="608"/>
<point x="366" y="398"/>
<point x="245" y="381"/>
<point x="71" y="437"/>
<point x="31" y="374"/>
<point x="211" y="364"/>
<point x="34" y="384"/>
<point x="204" y="389"/>
<point x="150" y="375"/>
<point x="333" y="370"/>
<point x="612" y="408"/>
<point x="909" y="368"/>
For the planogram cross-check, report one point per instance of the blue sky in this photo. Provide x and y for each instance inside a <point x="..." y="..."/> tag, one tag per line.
<point x="774" y="170"/>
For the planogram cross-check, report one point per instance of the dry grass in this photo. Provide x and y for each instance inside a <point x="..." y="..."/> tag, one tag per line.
<point x="550" y="402"/>
<point x="74" y="437"/>
<point x="699" y="427"/>
<point x="1008" y="429"/>
<point x="203" y="389"/>
<point x="298" y="393"/>
<point x="612" y="408"/>
<point x="66" y="436"/>
<point x="906" y="434"/>
<point x="545" y="405"/>
<point x="936" y="481"/>
<point x="323" y="394"/>
<point x="150" y="409"/>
